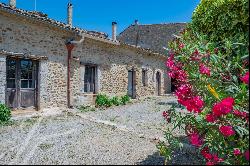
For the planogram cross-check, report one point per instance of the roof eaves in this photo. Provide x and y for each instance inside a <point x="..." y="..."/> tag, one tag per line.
<point x="38" y="16"/>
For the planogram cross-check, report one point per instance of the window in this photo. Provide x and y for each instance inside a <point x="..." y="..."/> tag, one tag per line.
<point x="89" y="78"/>
<point x="11" y="74"/>
<point x="144" y="77"/>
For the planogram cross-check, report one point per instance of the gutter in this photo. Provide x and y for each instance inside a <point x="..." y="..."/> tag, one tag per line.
<point x="70" y="44"/>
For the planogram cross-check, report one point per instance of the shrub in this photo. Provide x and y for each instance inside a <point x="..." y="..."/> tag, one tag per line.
<point x="115" y="101"/>
<point x="5" y="113"/>
<point x="222" y="19"/>
<point x="125" y="99"/>
<point x="211" y="76"/>
<point x="103" y="101"/>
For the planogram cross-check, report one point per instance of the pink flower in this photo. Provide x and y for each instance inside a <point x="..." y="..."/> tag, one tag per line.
<point x="224" y="107"/>
<point x="210" y="118"/>
<point x="245" y="78"/>
<point x="181" y="75"/>
<point x="165" y="114"/>
<point x="194" y="104"/>
<point x="229" y="102"/>
<point x="195" y="56"/>
<point x="246" y="154"/>
<point x="240" y="114"/>
<point x="195" y="139"/>
<point x="237" y="152"/>
<point x="217" y="159"/>
<point x="170" y="63"/>
<point x="210" y="158"/>
<point x="204" y="151"/>
<point x="183" y="91"/>
<point x="210" y="163"/>
<point x="227" y="131"/>
<point x="204" y="69"/>
<point x="171" y="74"/>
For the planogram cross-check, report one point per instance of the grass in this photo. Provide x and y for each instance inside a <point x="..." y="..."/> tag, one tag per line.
<point x="86" y="108"/>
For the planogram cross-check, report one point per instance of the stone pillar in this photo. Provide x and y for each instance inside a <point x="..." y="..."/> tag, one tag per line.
<point x="114" y="27"/>
<point x="70" y="14"/>
<point x="12" y="3"/>
<point x="43" y="98"/>
<point x="2" y="78"/>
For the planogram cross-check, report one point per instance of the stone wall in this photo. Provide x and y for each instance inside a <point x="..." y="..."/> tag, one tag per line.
<point x="20" y="35"/>
<point x="2" y="78"/>
<point x="113" y="62"/>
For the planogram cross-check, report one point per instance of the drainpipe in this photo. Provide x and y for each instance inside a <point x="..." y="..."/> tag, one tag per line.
<point x="70" y="46"/>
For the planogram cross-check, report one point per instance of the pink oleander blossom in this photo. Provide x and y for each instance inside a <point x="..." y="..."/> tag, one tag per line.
<point x="224" y="107"/>
<point x="237" y="152"/>
<point x="210" y="118"/>
<point x="204" y="69"/>
<point x="245" y="78"/>
<point x="246" y="154"/>
<point x="227" y="131"/>
<point x="195" y="139"/>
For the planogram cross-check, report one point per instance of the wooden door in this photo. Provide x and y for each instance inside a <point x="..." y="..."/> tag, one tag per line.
<point x="131" y="84"/>
<point x="21" y="83"/>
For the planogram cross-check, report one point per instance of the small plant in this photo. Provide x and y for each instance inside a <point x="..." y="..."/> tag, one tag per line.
<point x="115" y="101"/>
<point x="125" y="99"/>
<point x="5" y="113"/>
<point x="103" y="101"/>
<point x="86" y="108"/>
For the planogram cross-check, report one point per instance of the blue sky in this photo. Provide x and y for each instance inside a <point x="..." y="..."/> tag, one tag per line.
<point x="98" y="14"/>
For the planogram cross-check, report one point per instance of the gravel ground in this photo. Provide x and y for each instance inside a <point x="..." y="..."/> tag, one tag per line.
<point x="119" y="135"/>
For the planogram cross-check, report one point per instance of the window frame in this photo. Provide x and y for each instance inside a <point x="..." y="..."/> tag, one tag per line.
<point x="144" y="77"/>
<point x="93" y="78"/>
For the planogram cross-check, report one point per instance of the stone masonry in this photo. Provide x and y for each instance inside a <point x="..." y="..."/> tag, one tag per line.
<point x="2" y="78"/>
<point x="21" y="35"/>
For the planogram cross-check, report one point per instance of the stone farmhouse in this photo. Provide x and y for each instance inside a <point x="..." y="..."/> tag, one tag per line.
<point x="45" y="63"/>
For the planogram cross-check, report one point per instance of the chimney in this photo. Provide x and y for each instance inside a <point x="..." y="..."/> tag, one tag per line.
<point x="136" y="22"/>
<point x="70" y="13"/>
<point x="12" y="3"/>
<point x="114" y="24"/>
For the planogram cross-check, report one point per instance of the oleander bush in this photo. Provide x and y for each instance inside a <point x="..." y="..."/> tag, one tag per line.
<point x="210" y="68"/>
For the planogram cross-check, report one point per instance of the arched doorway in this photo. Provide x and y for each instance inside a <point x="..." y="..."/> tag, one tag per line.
<point x="158" y="83"/>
